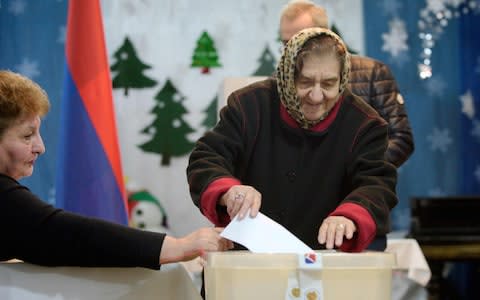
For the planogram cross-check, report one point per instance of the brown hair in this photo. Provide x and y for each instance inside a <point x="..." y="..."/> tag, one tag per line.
<point x="20" y="97"/>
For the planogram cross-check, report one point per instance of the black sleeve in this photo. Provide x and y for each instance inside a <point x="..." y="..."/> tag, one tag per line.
<point x="39" y="233"/>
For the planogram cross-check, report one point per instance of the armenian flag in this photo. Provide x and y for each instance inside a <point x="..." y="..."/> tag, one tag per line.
<point x="89" y="175"/>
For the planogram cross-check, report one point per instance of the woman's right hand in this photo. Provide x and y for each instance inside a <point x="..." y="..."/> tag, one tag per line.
<point x="240" y="199"/>
<point x="192" y="245"/>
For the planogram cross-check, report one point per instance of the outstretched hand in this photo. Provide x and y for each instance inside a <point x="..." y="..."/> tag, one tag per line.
<point x="197" y="243"/>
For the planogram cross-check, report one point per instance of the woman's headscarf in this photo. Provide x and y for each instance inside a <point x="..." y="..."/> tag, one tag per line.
<point x="286" y="73"/>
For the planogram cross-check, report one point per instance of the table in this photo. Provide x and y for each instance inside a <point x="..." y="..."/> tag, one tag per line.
<point x="412" y="273"/>
<point x="26" y="281"/>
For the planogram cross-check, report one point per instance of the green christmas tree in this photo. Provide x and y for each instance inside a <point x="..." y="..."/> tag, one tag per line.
<point x="267" y="63"/>
<point x="129" y="69"/>
<point x="335" y="29"/>
<point x="168" y="130"/>
<point x="205" y="54"/>
<point x="211" y="111"/>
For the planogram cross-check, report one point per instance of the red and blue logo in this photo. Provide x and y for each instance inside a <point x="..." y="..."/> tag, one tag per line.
<point x="310" y="258"/>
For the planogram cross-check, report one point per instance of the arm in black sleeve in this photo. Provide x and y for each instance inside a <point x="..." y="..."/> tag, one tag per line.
<point x="36" y="232"/>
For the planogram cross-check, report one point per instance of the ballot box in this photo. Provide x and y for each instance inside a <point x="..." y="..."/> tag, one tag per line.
<point x="245" y="275"/>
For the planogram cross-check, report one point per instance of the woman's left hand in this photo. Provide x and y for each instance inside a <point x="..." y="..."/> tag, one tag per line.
<point x="334" y="229"/>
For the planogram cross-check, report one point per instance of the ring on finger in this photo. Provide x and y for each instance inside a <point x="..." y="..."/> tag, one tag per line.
<point x="239" y="196"/>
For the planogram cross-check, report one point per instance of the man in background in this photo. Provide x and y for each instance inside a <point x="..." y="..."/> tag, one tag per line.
<point x="370" y="79"/>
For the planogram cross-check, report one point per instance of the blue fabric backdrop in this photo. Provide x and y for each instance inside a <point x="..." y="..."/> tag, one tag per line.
<point x="32" y="35"/>
<point x="446" y="160"/>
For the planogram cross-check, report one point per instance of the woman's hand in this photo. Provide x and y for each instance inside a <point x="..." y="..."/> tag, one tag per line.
<point x="334" y="229"/>
<point x="192" y="245"/>
<point x="239" y="199"/>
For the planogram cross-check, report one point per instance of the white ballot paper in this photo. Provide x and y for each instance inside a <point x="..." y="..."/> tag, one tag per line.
<point x="263" y="235"/>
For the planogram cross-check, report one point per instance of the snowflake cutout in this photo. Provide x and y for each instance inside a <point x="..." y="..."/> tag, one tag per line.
<point x="52" y="195"/>
<point x="435" y="6"/>
<point x="176" y="123"/>
<point x="177" y="97"/>
<point x="476" y="129"/>
<point x="436" y="192"/>
<point x="468" y="107"/>
<point x="435" y="86"/>
<point x="395" y="41"/>
<point x="439" y="139"/>
<point x="477" y="173"/>
<point x="455" y="3"/>
<point x="62" y="34"/>
<point x="17" y="7"/>
<point x="390" y="7"/>
<point x="28" y="68"/>
<point x="401" y="60"/>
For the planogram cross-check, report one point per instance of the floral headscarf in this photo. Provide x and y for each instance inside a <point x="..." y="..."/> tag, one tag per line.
<point x="286" y="73"/>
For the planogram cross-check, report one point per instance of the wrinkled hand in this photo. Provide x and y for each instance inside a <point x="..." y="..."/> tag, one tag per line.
<point x="192" y="245"/>
<point x="334" y="229"/>
<point x="239" y="199"/>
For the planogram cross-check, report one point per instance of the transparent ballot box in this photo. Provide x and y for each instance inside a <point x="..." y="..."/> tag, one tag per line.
<point x="340" y="276"/>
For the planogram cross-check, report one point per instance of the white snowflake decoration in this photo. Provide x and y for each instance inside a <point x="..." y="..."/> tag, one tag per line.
<point x="177" y="97"/>
<point x="476" y="129"/>
<point x="395" y="41"/>
<point x="435" y="6"/>
<point x="28" y="68"/>
<point x="17" y="7"/>
<point x="455" y="3"/>
<point x="52" y="195"/>
<point x="401" y="60"/>
<point x="477" y="173"/>
<point x="176" y="123"/>
<point x="436" y="192"/>
<point x="440" y="139"/>
<point x="468" y="106"/>
<point x="436" y="86"/>
<point x="62" y="34"/>
<point x="391" y="7"/>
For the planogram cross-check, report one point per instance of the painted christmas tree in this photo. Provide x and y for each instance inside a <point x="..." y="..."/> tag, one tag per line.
<point x="267" y="63"/>
<point x="168" y="130"/>
<point x="129" y="69"/>
<point x="205" y="54"/>
<point x="211" y="111"/>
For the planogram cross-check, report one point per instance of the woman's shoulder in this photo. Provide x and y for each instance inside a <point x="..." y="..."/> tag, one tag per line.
<point x="265" y="85"/>
<point x="7" y="183"/>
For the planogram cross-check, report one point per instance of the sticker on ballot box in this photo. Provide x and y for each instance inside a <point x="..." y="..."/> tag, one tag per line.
<point x="304" y="282"/>
<point x="310" y="260"/>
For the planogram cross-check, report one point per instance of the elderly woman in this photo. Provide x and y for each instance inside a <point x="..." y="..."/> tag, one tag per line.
<point x="36" y="232"/>
<point x="302" y="149"/>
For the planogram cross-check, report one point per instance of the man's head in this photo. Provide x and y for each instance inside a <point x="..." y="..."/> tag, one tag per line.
<point x="298" y="15"/>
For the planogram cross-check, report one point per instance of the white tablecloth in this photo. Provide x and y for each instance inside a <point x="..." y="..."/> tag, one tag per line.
<point x="412" y="273"/>
<point x="26" y="281"/>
